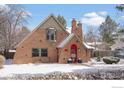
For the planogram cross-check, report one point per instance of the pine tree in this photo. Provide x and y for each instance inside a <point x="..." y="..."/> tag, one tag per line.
<point x="107" y="29"/>
<point x="62" y="20"/>
<point x="120" y="7"/>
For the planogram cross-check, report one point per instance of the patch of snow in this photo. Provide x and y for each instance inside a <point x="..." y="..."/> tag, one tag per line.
<point x="8" y="62"/>
<point x="94" y="43"/>
<point x="12" y="50"/>
<point x="24" y="69"/>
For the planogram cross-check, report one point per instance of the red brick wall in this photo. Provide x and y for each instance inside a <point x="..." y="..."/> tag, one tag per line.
<point x="81" y="52"/>
<point x="38" y="40"/>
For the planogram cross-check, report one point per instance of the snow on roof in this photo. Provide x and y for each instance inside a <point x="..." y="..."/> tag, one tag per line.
<point x="12" y="50"/>
<point x="118" y="44"/>
<point x="87" y="46"/>
<point x="94" y="43"/>
<point x="64" y="42"/>
<point x="68" y="29"/>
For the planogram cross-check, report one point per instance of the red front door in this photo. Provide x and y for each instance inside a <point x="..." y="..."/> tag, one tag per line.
<point x="74" y="53"/>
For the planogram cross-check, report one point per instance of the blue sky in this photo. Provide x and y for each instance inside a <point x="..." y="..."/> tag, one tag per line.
<point x="88" y="14"/>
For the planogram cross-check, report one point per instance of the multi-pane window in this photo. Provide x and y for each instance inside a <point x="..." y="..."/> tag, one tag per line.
<point x="35" y="52"/>
<point x="44" y="52"/>
<point x="51" y="34"/>
<point x="39" y="52"/>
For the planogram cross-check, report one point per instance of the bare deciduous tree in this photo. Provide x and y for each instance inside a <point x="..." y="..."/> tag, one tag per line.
<point x="22" y="33"/>
<point x="90" y="35"/>
<point x="12" y="18"/>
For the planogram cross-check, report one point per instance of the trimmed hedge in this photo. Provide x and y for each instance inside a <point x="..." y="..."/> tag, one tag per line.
<point x="111" y="60"/>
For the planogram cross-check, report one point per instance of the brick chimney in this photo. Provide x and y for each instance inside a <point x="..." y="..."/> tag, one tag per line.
<point x="79" y="25"/>
<point x="74" y="26"/>
<point x="79" y="30"/>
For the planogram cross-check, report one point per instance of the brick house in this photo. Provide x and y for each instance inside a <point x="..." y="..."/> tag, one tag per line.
<point x="50" y="42"/>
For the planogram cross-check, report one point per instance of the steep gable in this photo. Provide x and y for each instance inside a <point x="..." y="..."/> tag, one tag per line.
<point x="55" y="23"/>
<point x="50" y="21"/>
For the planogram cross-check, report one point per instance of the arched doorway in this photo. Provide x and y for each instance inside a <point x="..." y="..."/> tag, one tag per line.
<point x="74" y="53"/>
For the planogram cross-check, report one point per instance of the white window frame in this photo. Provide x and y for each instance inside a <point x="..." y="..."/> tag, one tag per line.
<point x="49" y="34"/>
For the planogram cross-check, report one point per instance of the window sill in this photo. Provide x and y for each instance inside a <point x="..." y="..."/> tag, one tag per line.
<point x="54" y="41"/>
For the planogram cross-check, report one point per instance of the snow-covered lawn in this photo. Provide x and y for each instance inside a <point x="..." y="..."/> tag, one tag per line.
<point x="38" y="68"/>
<point x="13" y="69"/>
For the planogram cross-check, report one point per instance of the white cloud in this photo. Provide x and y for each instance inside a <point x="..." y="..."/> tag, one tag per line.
<point x="121" y="18"/>
<point x="93" y="18"/>
<point x="92" y="14"/>
<point x="103" y="13"/>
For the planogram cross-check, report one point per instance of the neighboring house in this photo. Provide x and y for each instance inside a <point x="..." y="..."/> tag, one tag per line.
<point x="118" y="47"/>
<point x="49" y="43"/>
<point x="100" y="46"/>
<point x="119" y="52"/>
<point x="119" y="41"/>
<point x="96" y="45"/>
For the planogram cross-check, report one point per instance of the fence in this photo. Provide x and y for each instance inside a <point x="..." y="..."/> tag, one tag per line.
<point x="103" y="53"/>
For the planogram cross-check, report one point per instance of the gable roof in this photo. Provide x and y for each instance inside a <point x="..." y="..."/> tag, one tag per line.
<point x="67" y="39"/>
<point x="43" y="22"/>
<point x="87" y="46"/>
<point x="64" y="42"/>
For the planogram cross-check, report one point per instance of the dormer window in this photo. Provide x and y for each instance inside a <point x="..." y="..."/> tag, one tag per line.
<point x="51" y="34"/>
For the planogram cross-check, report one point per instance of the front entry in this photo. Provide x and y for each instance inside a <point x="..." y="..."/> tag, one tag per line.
<point x="74" y="53"/>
